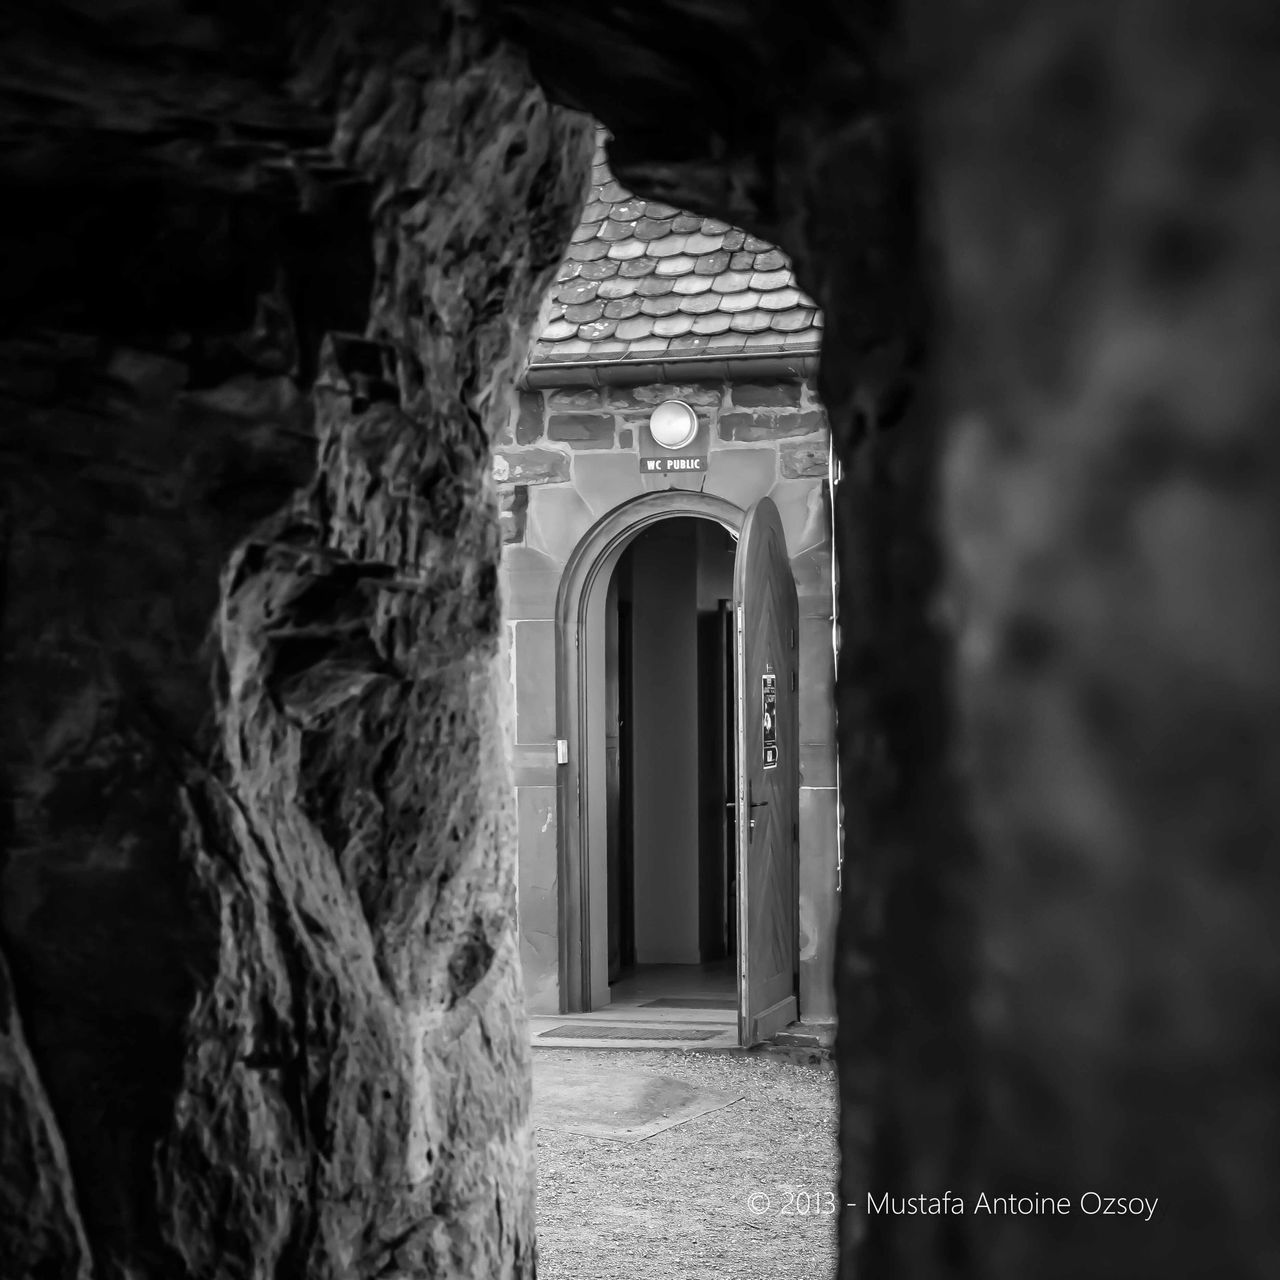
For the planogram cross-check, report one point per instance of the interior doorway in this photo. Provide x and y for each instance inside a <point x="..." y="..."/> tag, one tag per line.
<point x="670" y="769"/>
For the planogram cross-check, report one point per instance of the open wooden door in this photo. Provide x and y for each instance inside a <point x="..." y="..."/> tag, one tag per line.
<point x="766" y="615"/>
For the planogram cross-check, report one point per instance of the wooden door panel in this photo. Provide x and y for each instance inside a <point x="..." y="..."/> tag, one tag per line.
<point x="767" y="617"/>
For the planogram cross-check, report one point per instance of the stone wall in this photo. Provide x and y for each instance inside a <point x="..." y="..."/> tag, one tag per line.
<point x="568" y="456"/>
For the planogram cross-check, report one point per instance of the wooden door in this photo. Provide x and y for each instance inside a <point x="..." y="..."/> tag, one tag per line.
<point x="766" y="616"/>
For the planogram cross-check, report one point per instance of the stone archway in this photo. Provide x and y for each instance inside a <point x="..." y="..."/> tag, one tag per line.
<point x="579" y="620"/>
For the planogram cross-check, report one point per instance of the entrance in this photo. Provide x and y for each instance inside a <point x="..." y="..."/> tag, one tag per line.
<point x="669" y="752"/>
<point x="678" y="791"/>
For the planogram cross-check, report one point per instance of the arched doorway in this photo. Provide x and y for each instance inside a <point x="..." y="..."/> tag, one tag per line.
<point x="763" y="781"/>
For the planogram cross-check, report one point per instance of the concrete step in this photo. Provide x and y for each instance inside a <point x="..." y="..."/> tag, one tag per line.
<point x="805" y="1043"/>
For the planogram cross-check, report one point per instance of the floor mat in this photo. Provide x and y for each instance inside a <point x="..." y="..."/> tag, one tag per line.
<point x="691" y="1002"/>
<point x="585" y="1031"/>
<point x="596" y="1101"/>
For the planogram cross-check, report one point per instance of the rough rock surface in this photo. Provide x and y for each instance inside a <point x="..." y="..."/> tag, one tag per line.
<point x="253" y="901"/>
<point x="1046" y="242"/>
<point x="257" y="881"/>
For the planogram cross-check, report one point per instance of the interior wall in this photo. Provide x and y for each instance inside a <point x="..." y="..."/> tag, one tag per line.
<point x="664" y="588"/>
<point x="715" y="550"/>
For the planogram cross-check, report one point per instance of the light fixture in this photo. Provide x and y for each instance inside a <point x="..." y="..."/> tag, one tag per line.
<point x="673" y="424"/>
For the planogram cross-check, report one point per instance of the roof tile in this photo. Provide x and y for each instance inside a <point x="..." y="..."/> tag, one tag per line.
<point x="699" y="304"/>
<point x="668" y="246"/>
<point x="665" y="306"/>
<point x="742" y="261"/>
<point x="689" y="343"/>
<point x="652" y="228"/>
<point x="765" y="280"/>
<point x="750" y="321"/>
<point x="589" y="251"/>
<point x="597" y="330"/>
<point x="725" y="343"/>
<point x="636" y="267"/>
<point x="578" y="291"/>
<point x="743" y="301"/>
<point x="713" y="226"/>
<point x="584" y="231"/>
<point x="655" y="286"/>
<point x="672" y="326"/>
<point x="711" y="264"/>
<point x="568" y="269"/>
<point x="649" y="346"/>
<point x="780" y="299"/>
<point x="731" y="281"/>
<point x="676" y="266"/>
<point x="693" y="284"/>
<point x="601" y="269"/>
<point x="627" y="211"/>
<point x="572" y="348"/>
<point x="716" y="322"/>
<point x="622" y="308"/>
<point x="686" y="222"/>
<point x="793" y="321"/>
<point x="556" y="330"/>
<point x="659" y="210"/>
<point x="596" y="211"/>
<point x="734" y="237"/>
<point x="704" y="244"/>
<point x="584" y="312"/>
<point x="755" y="244"/>
<point x="614" y="230"/>
<point x="609" y="349"/>
<point x="616" y="288"/>
<point x="634" y="328"/>
<point x="615" y="193"/>
<point x="765" y="341"/>
<point x="771" y="261"/>
<point x="624" y="249"/>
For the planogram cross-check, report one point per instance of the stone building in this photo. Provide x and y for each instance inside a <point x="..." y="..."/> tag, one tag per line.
<point x="668" y="400"/>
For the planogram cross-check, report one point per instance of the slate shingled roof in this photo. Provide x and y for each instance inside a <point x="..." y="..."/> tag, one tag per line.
<point x="644" y="281"/>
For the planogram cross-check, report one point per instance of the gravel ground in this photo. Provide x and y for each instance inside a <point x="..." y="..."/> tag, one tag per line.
<point x="676" y="1204"/>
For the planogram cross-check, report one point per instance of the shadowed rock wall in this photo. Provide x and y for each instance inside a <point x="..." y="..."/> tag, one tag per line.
<point x="1046" y="240"/>
<point x="255" y="908"/>
<point x="257" y="879"/>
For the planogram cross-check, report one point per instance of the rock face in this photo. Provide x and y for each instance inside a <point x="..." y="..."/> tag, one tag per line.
<point x="1045" y="241"/>
<point x="257" y="877"/>
<point x="267" y="276"/>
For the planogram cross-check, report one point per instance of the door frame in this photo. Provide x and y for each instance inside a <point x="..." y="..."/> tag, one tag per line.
<point x="580" y="797"/>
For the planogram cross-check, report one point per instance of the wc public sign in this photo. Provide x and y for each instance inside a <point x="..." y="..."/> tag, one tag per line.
<point x="674" y="440"/>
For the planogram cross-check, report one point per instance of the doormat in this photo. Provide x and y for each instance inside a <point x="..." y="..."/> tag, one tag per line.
<point x="691" y="1002"/>
<point x="583" y="1096"/>
<point x="581" y="1031"/>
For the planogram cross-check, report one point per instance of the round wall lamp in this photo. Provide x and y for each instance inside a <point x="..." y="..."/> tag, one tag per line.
<point x="673" y="424"/>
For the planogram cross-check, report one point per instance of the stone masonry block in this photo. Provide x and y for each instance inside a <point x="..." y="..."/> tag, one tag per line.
<point x="699" y="395"/>
<point x="582" y="430"/>
<point x="530" y="419"/>
<point x="752" y="425"/>
<point x="771" y="395"/>
<point x="514" y="508"/>
<point x="576" y="398"/>
<point x="802" y="459"/>
<point x="531" y="466"/>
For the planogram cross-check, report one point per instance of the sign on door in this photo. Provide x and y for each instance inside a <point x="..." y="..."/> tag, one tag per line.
<point x="769" y="717"/>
